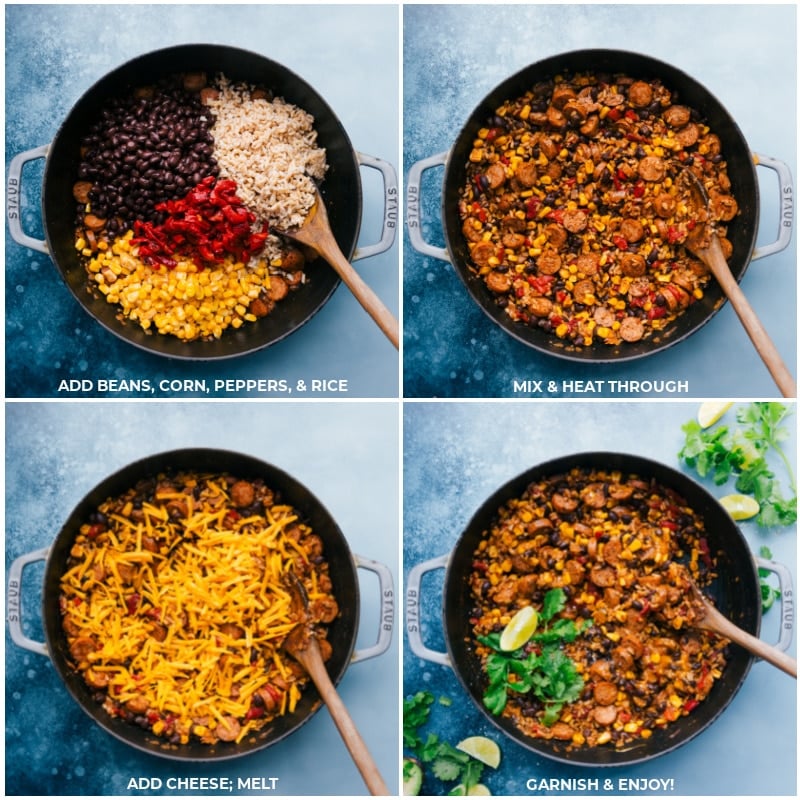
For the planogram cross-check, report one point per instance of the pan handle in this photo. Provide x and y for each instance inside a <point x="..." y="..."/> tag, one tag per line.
<point x="413" y="605"/>
<point x="386" y="588"/>
<point x="787" y="600"/>
<point x="414" y="204"/>
<point x="786" y="195"/>
<point x="390" y="190"/>
<point x="13" y="195"/>
<point x="14" y="601"/>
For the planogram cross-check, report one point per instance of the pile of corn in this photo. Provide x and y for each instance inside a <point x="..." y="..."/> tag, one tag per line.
<point x="186" y="301"/>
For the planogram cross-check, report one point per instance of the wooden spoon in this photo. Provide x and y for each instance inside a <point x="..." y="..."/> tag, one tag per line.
<point x="708" y="618"/>
<point x="704" y="243"/>
<point x="302" y="645"/>
<point x="316" y="234"/>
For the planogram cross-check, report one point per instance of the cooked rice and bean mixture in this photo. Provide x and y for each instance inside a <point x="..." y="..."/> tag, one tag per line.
<point x="176" y="603"/>
<point x="180" y="187"/>
<point x="574" y="212"/>
<point x="618" y="548"/>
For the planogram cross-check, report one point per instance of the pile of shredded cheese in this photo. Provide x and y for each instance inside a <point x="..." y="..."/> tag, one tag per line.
<point x="175" y="604"/>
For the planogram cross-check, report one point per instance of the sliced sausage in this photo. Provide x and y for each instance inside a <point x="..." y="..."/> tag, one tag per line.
<point x="513" y="241"/>
<point x="80" y="191"/>
<point x="588" y="264"/>
<point x="604" y="693"/>
<point x="499" y="282"/>
<point x="652" y="169"/>
<point x="604" y="316"/>
<point x="278" y="288"/>
<point x="603" y="576"/>
<point x="633" y="265"/>
<point x="496" y="175"/>
<point x="723" y="206"/>
<point x="562" y="95"/>
<point x="631" y="329"/>
<point x="575" y="220"/>
<point x="540" y="307"/>
<point x="556" y="118"/>
<point x="243" y="494"/>
<point x="583" y="291"/>
<point x="664" y="205"/>
<point x="594" y="495"/>
<point x="549" y="262"/>
<point x="564" y="503"/>
<point x="556" y="235"/>
<point x="640" y="94"/>
<point x="526" y="174"/>
<point x="632" y="230"/>
<point x="228" y="729"/>
<point x="562" y="731"/>
<point x="688" y="135"/>
<point x="293" y="260"/>
<point x="472" y="229"/>
<point x="481" y="253"/>
<point x="604" y="715"/>
<point x="677" y="116"/>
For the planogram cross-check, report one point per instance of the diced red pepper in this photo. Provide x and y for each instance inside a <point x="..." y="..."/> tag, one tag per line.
<point x="208" y="224"/>
<point x="690" y="705"/>
<point x="532" y="207"/>
<point x="541" y="283"/>
<point x="95" y="530"/>
<point x="620" y="242"/>
<point x="132" y="602"/>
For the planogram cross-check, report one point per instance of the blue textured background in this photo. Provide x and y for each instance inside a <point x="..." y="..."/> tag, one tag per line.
<point x="454" y="55"/>
<point x="345" y="453"/>
<point x="349" y="54"/>
<point x="455" y="455"/>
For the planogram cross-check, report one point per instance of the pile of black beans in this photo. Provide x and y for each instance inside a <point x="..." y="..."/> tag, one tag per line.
<point x="148" y="147"/>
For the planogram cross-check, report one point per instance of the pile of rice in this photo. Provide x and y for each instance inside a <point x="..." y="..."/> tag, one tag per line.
<point x="269" y="147"/>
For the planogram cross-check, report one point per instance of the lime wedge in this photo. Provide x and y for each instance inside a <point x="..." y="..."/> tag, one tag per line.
<point x="481" y="749"/>
<point x="478" y="790"/>
<point x="740" y="506"/>
<point x="519" y="629"/>
<point x="711" y="411"/>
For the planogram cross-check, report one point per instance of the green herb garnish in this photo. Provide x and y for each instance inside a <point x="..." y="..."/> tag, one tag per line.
<point x="721" y="453"/>
<point x="769" y="594"/>
<point x="446" y="762"/>
<point x="540" y="666"/>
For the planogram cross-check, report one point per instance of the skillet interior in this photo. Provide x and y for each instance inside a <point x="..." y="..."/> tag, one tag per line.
<point x="341" y="190"/>
<point x="744" y="185"/>
<point x="735" y="592"/>
<point x="342" y="632"/>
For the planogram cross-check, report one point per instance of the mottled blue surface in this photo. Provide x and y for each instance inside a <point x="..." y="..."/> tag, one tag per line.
<point x="345" y="453"/>
<point x="455" y="455"/>
<point x="55" y="53"/>
<point x="454" y="55"/>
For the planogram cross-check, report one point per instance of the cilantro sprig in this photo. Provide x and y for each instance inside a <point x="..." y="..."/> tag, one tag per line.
<point x="769" y="594"/>
<point x="540" y="666"/>
<point x="722" y="453"/>
<point x="445" y="761"/>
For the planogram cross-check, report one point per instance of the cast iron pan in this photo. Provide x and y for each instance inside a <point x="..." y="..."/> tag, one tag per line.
<point x="741" y="170"/>
<point x="341" y="190"/>
<point x="342" y="632"/>
<point x="735" y="592"/>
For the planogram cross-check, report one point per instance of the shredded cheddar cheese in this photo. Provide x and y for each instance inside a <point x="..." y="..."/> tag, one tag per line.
<point x="175" y="604"/>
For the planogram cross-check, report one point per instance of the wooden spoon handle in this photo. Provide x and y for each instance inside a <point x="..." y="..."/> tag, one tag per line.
<point x="346" y="727"/>
<point x="776" y="657"/>
<point x="371" y="303"/>
<point x="752" y="324"/>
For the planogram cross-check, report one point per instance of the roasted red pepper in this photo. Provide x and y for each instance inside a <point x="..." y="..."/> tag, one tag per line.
<point x="207" y="225"/>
